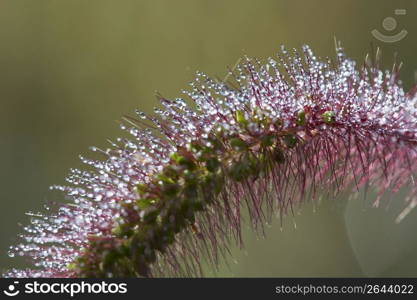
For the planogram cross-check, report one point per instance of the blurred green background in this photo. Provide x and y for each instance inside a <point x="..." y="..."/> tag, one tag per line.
<point x="70" y="69"/>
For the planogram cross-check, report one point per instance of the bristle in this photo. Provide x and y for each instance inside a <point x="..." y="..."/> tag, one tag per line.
<point x="286" y="131"/>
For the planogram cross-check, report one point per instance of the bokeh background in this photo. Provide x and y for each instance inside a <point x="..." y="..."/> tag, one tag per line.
<point x="70" y="69"/>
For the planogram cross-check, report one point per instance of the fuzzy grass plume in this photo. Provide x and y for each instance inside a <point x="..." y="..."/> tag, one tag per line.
<point x="283" y="132"/>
